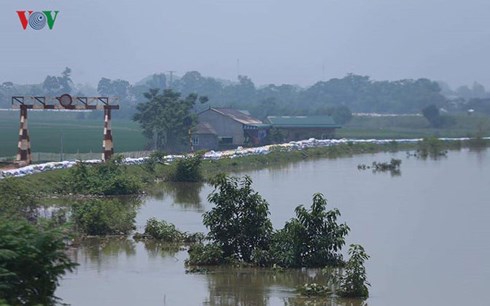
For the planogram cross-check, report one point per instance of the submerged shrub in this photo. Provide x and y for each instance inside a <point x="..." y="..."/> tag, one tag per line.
<point x="161" y="230"/>
<point x="312" y="239"/>
<point x="205" y="255"/>
<point x="239" y="223"/>
<point x="17" y="201"/>
<point x="431" y="147"/>
<point x="104" y="217"/>
<point x="314" y="289"/>
<point x="109" y="178"/>
<point x="188" y="169"/>
<point x="354" y="280"/>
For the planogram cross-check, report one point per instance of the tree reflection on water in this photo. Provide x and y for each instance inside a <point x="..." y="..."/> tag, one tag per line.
<point x="256" y="286"/>
<point x="186" y="195"/>
<point x="102" y="250"/>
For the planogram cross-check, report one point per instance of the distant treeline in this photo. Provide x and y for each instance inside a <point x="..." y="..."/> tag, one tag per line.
<point x="336" y="96"/>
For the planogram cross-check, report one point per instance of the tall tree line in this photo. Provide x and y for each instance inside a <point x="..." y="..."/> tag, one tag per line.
<point x="353" y="92"/>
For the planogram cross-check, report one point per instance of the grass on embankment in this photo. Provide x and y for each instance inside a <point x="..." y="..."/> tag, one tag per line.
<point x="52" y="182"/>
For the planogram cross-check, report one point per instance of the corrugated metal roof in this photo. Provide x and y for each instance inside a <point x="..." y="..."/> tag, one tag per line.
<point x="302" y="121"/>
<point x="237" y="115"/>
<point x="204" y="128"/>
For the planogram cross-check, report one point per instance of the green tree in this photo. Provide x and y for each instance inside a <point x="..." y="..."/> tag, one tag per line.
<point x="431" y="113"/>
<point x="354" y="280"/>
<point x="167" y="118"/>
<point x="16" y="201"/>
<point x="239" y="222"/>
<point x="55" y="86"/>
<point x="104" y="217"/>
<point x="188" y="169"/>
<point x="312" y="239"/>
<point x="32" y="261"/>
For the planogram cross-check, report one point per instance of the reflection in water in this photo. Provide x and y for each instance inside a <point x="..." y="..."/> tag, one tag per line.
<point x="302" y="301"/>
<point x="187" y="195"/>
<point x="253" y="286"/>
<point x="155" y="248"/>
<point x="102" y="250"/>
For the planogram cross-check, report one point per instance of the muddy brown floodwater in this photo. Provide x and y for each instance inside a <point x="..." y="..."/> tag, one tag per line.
<point x="427" y="232"/>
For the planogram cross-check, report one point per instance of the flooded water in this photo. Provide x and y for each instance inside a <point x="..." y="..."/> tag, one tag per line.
<point x="427" y="232"/>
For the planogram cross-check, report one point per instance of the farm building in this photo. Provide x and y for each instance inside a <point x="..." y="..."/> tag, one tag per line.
<point x="232" y="128"/>
<point x="204" y="137"/>
<point x="302" y="127"/>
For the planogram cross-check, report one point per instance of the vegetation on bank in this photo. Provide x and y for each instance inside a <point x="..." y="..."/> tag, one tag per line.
<point x="109" y="178"/>
<point x="115" y="178"/>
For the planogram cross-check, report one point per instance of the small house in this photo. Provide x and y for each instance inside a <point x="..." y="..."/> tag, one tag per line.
<point x="232" y="128"/>
<point x="204" y="137"/>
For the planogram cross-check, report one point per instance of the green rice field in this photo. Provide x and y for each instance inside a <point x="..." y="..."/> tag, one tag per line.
<point x="55" y="131"/>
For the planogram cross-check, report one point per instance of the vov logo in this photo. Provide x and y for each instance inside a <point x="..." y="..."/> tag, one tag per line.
<point x="37" y="20"/>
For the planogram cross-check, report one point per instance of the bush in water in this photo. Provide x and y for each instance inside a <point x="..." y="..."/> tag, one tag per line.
<point x="205" y="255"/>
<point x="312" y="239"/>
<point x="109" y="178"/>
<point x="239" y="223"/>
<point x="188" y="169"/>
<point x="353" y="280"/>
<point x="104" y="217"/>
<point x="161" y="230"/>
<point x="16" y="201"/>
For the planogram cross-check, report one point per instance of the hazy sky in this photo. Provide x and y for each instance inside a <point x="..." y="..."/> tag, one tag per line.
<point x="276" y="41"/>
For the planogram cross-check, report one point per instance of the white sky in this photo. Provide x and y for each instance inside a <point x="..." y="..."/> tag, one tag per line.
<point x="276" y="41"/>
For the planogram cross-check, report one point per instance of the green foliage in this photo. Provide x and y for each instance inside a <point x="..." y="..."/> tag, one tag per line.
<point x="431" y="147"/>
<point x="205" y="255"/>
<point x="104" y="217"/>
<point x="312" y="239"/>
<point x="341" y="114"/>
<point x="161" y="230"/>
<point x="109" y="178"/>
<point x="314" y="289"/>
<point x="32" y="261"/>
<point x="239" y="222"/>
<point x="166" y="118"/>
<point x="275" y="136"/>
<point x="432" y="114"/>
<point x="354" y="280"/>
<point x="155" y="158"/>
<point x="17" y="201"/>
<point x="188" y="169"/>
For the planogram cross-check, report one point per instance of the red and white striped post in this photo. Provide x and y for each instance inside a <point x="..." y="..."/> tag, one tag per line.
<point x="107" y="145"/>
<point x="24" y="146"/>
